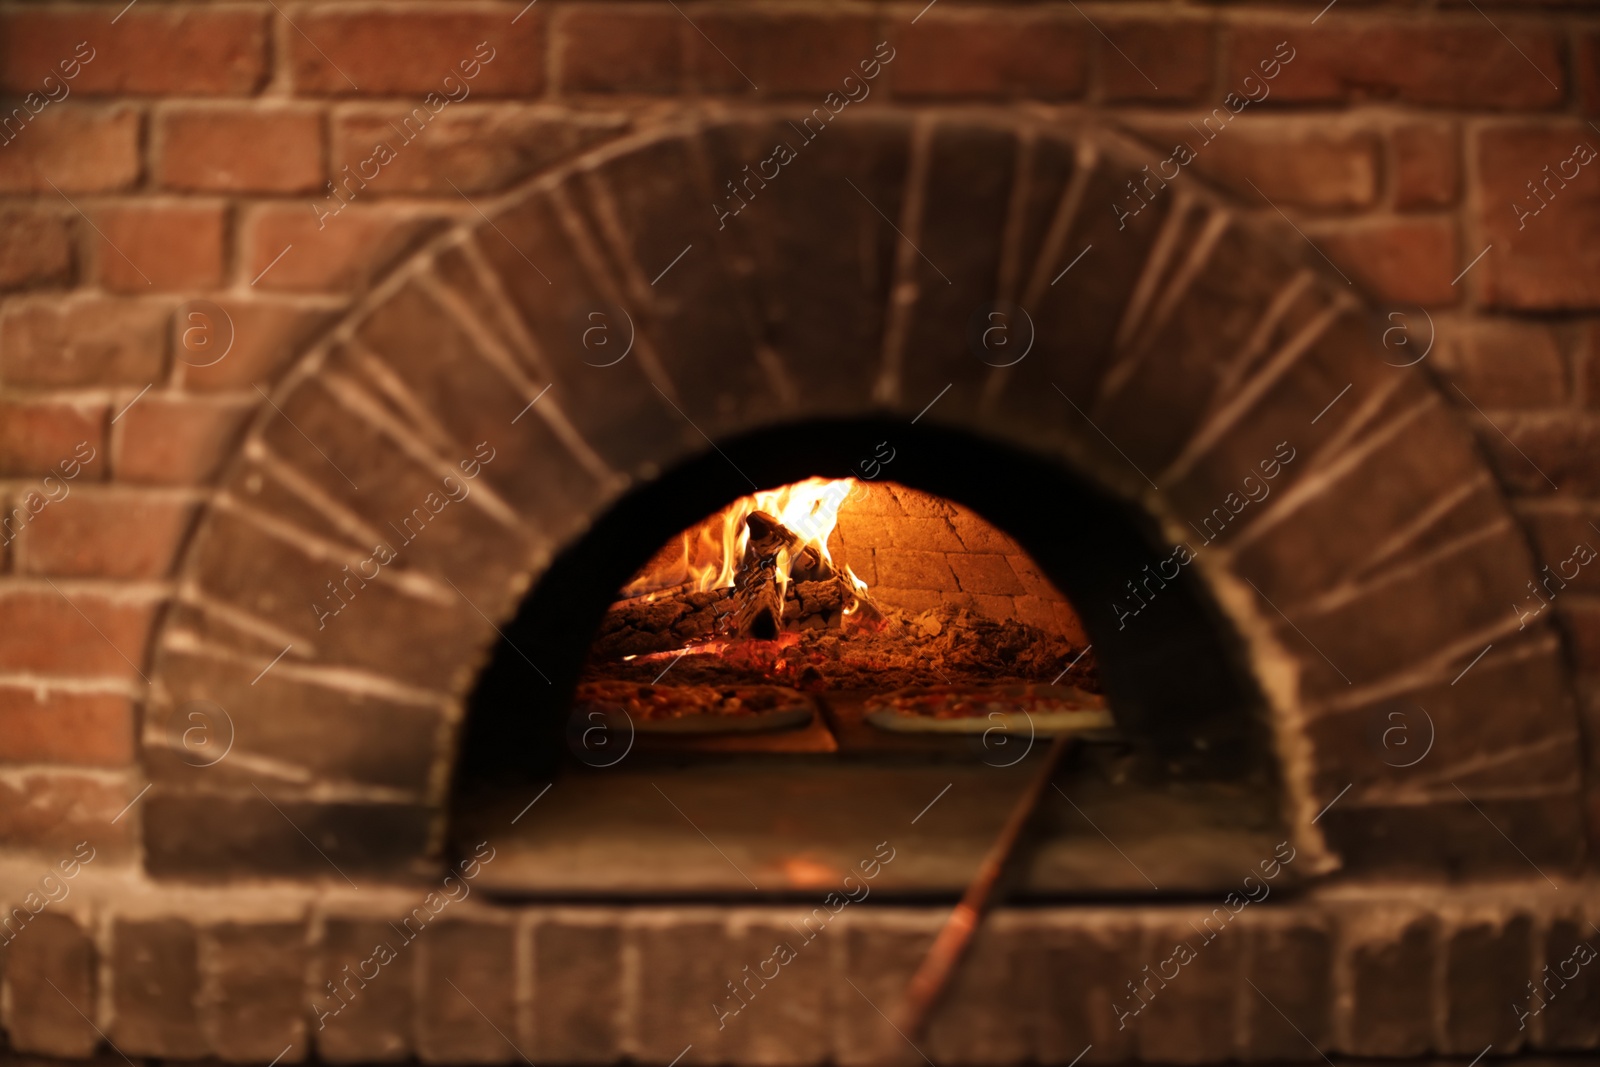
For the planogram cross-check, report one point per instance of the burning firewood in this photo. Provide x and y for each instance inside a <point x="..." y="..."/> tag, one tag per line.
<point x="781" y="582"/>
<point x="774" y="556"/>
<point x="675" y="618"/>
<point x="758" y="600"/>
<point x="770" y="538"/>
<point x="855" y="603"/>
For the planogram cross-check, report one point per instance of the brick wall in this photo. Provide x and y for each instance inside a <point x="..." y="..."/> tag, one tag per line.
<point x="1370" y="972"/>
<point x="918" y="551"/>
<point x="184" y="161"/>
<point x="186" y="157"/>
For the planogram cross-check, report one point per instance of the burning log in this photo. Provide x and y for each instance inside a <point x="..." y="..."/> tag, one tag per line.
<point x="781" y="583"/>
<point x="758" y="600"/>
<point x="771" y="539"/>
<point x="681" y="617"/>
<point x="773" y="556"/>
<point x="658" y="622"/>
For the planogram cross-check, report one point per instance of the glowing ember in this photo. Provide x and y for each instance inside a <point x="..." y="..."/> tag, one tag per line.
<point x="707" y="555"/>
<point x="806" y="873"/>
<point x="735" y="650"/>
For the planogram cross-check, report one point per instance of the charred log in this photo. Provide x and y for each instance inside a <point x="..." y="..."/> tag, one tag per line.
<point x="760" y="605"/>
<point x="771" y="539"/>
<point x="658" y="622"/>
<point x="758" y="600"/>
<point x="673" y="619"/>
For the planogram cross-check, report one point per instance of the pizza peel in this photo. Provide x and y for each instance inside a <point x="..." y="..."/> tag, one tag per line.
<point x="938" y="968"/>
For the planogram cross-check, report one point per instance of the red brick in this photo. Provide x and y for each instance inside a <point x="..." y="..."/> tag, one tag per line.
<point x="1546" y="261"/>
<point x="35" y="249"/>
<point x="873" y="498"/>
<point x="1589" y="365"/>
<point x="411" y="52"/>
<point x="1505" y="364"/>
<point x="236" y="149"/>
<point x="1033" y="579"/>
<point x="863" y="532"/>
<point x="916" y="502"/>
<point x="1426" y="168"/>
<point x="1293" y="165"/>
<point x="1573" y="1020"/>
<point x="265" y="337"/>
<point x="155" y="984"/>
<point x="1589" y="73"/>
<point x="1580" y="622"/>
<point x="921" y="532"/>
<point x="1391" y="963"/>
<point x="620" y="48"/>
<point x="477" y="149"/>
<point x="1557" y="446"/>
<point x="173" y="441"/>
<point x="977" y="535"/>
<point x="82" y="341"/>
<point x="1486" y="969"/>
<point x="101" y="535"/>
<point x="48" y="812"/>
<point x="50" y="975"/>
<point x="151" y="50"/>
<point x="1292" y="955"/>
<point x="1175" y="55"/>
<point x="79" y="149"/>
<point x="580" y="985"/>
<point x="982" y="573"/>
<point x="51" y="726"/>
<point x="143" y="248"/>
<point x="468" y="1009"/>
<point x="1194" y="1022"/>
<point x="783" y="53"/>
<point x="1556" y="529"/>
<point x="1463" y="64"/>
<point x="1052" y="616"/>
<point x="344" y="255"/>
<point x="1397" y="262"/>
<point x="914" y="570"/>
<point x="37" y="437"/>
<point x="258" y="970"/>
<point x="73" y="632"/>
<point x="995" y="53"/>
<point x="378" y="1025"/>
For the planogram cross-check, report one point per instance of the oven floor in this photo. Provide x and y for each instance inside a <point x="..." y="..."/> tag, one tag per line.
<point x="790" y="827"/>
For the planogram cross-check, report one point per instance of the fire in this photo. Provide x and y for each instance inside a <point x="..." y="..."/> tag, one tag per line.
<point x="708" y="553"/>
<point x="860" y="588"/>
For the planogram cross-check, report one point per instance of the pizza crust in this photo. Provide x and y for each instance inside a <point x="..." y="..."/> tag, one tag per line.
<point x="1024" y="710"/>
<point x="1043" y="724"/>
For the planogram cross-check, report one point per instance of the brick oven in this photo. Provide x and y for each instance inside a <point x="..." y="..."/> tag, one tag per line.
<point x="372" y="374"/>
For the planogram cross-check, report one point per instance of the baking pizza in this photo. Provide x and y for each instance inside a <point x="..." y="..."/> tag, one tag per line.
<point x="696" y="708"/>
<point x="975" y="709"/>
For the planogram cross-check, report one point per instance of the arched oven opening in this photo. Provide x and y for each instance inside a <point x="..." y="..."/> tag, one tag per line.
<point x="747" y="588"/>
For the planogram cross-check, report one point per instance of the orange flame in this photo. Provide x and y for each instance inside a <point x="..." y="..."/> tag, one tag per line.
<point x="860" y="588"/>
<point x="709" y="552"/>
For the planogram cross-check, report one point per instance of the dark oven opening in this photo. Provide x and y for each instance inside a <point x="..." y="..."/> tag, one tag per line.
<point x="818" y="644"/>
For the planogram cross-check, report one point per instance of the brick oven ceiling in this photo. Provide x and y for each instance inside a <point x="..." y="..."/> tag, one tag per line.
<point x="1189" y="348"/>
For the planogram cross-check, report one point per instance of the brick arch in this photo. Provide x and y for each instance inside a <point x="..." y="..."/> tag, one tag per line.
<point x="1185" y="348"/>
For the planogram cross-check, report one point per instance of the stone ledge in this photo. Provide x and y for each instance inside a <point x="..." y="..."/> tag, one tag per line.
<point x="240" y="975"/>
